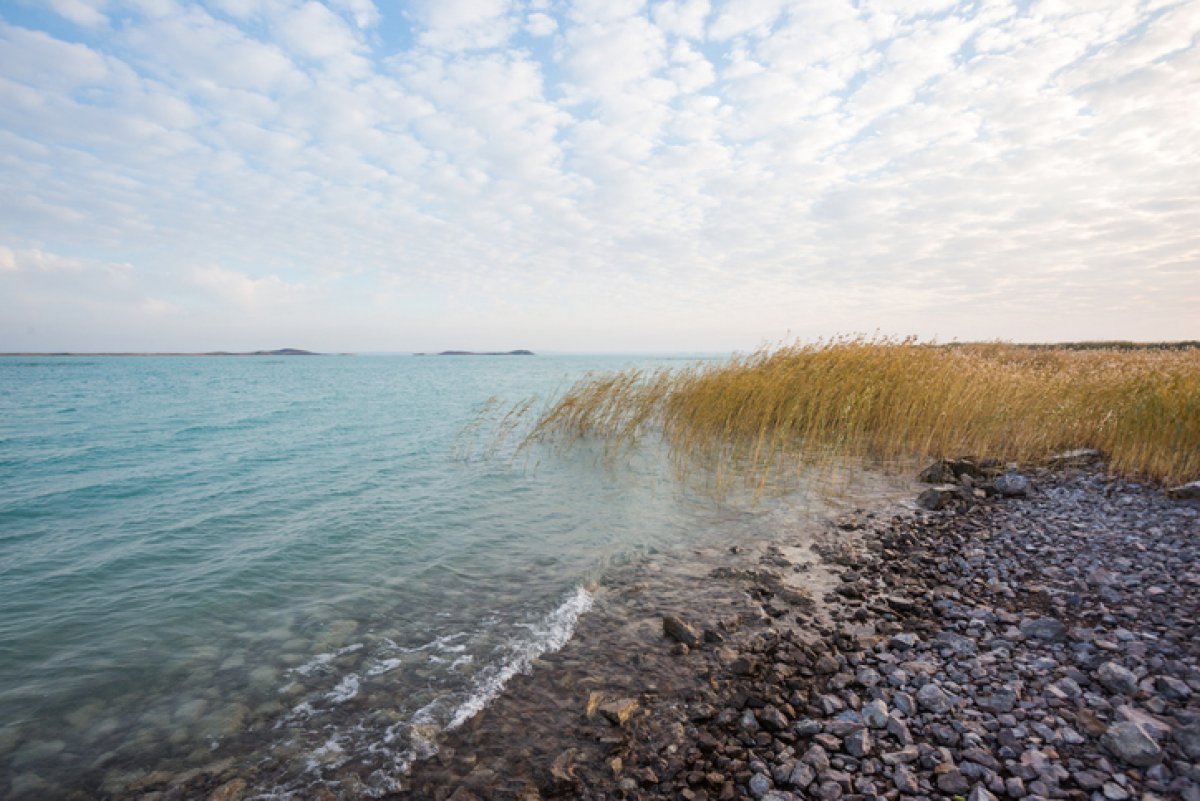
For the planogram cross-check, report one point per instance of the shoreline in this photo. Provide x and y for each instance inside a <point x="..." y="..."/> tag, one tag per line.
<point x="1029" y="647"/>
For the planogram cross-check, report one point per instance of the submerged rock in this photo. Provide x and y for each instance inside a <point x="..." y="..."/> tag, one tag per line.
<point x="679" y="631"/>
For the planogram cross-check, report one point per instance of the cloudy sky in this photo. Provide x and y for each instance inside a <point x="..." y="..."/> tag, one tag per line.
<point x="596" y="175"/>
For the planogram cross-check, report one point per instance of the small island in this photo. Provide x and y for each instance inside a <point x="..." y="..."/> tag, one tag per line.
<point x="477" y="353"/>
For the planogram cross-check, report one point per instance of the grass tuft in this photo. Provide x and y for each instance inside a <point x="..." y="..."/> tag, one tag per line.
<point x="850" y="400"/>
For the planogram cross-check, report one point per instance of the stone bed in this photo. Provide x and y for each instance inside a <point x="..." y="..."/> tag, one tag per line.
<point x="1043" y="645"/>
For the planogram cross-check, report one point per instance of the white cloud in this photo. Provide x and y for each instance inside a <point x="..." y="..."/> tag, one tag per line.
<point x="88" y="13"/>
<point x="548" y="167"/>
<point x="313" y="31"/>
<point x="539" y="24"/>
<point x="463" y="24"/>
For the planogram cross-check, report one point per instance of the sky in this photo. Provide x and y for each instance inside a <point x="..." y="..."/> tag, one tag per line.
<point x="595" y="175"/>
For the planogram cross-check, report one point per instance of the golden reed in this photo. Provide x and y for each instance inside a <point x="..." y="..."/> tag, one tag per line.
<point x="899" y="401"/>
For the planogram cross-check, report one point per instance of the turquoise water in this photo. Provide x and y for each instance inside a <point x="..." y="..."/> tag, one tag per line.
<point x="300" y="561"/>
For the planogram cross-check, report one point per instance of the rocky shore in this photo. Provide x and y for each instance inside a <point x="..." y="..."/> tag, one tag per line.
<point x="1012" y="636"/>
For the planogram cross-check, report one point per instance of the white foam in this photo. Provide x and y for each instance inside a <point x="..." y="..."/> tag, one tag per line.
<point x="321" y="660"/>
<point x="547" y="636"/>
<point x="385" y="666"/>
<point x="346" y="689"/>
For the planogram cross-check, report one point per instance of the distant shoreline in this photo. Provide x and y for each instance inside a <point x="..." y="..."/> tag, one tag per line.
<point x="280" y="352"/>
<point x="478" y="353"/>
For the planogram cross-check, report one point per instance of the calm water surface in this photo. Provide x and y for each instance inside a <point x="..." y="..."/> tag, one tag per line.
<point x="294" y="561"/>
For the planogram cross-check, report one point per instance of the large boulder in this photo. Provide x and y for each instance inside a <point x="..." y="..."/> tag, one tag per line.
<point x="1185" y="492"/>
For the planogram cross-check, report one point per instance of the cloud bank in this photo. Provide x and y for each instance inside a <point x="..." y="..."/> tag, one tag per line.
<point x="595" y="175"/>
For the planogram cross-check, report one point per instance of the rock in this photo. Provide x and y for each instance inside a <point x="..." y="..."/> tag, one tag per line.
<point x="1130" y="742"/>
<point x="1156" y="728"/>
<point x="910" y="753"/>
<point x="875" y="714"/>
<point x="1117" y="678"/>
<point x="679" y="631"/>
<point x="1185" y="492"/>
<point x="932" y="699"/>
<point x="903" y="641"/>
<point x="1172" y="688"/>
<point x="816" y="756"/>
<point x="905" y="781"/>
<point x="759" y="785"/>
<point x="1000" y="701"/>
<point x="858" y="744"/>
<point x="938" y="497"/>
<point x="1043" y="628"/>
<point x="802" y="775"/>
<point x="981" y="793"/>
<point x="619" y="710"/>
<point x="829" y="791"/>
<point x="826" y="664"/>
<point x="231" y="790"/>
<point x="1188" y="738"/>
<point x="563" y="767"/>
<point x="1011" y="485"/>
<point x="772" y="719"/>
<point x="1075" y="458"/>
<point x="953" y="782"/>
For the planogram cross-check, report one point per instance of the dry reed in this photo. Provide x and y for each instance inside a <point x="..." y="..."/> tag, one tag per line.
<point x="898" y="401"/>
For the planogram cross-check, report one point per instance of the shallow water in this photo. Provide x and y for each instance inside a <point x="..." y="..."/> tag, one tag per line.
<point x="287" y="559"/>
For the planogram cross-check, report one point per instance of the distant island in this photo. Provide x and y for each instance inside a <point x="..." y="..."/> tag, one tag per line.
<point x="279" y="352"/>
<point x="474" y="353"/>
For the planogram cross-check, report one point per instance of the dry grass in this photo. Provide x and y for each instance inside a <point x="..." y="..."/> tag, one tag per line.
<point x="889" y="401"/>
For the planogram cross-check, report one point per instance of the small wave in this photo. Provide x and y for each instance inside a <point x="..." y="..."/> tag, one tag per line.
<point x="346" y="689"/>
<point x="551" y="634"/>
<point x="322" y="660"/>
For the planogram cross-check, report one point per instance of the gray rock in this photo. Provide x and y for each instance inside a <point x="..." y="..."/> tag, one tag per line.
<point x="1117" y="678"/>
<point x="903" y="641"/>
<point x="957" y="644"/>
<point x="931" y="699"/>
<point x="1188" y="738"/>
<point x="899" y="729"/>
<point x="905" y="780"/>
<point x="759" y="785"/>
<point x="1185" y="492"/>
<point x="802" y="775"/>
<point x="807" y="727"/>
<point x="981" y="793"/>
<point x="1049" y="629"/>
<point x="858" y="744"/>
<point x="938" y="497"/>
<point x="772" y="719"/>
<point x="829" y="791"/>
<point x="953" y="782"/>
<point x="875" y="714"/>
<point x="1172" y="688"/>
<point x="1000" y="701"/>
<point x="1130" y="742"/>
<point x="1011" y="485"/>
<point x="910" y="753"/>
<point x="816" y="756"/>
<point x="679" y="631"/>
<point x="775" y="795"/>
